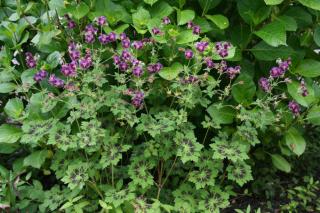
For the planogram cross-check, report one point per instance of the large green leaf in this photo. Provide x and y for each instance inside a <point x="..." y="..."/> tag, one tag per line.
<point x="208" y="4"/>
<point x="141" y="17"/>
<point x="186" y="36"/>
<point x="314" y="4"/>
<point x="14" y="108"/>
<point x="9" y="134"/>
<point x="273" y="34"/>
<point x="221" y="21"/>
<point x="170" y="73"/>
<point x="295" y="141"/>
<point x="308" y="68"/>
<point x="280" y="163"/>
<point x="289" y="23"/>
<point x="36" y="159"/>
<point x="244" y="89"/>
<point x="221" y="114"/>
<point x="151" y="2"/>
<point x="79" y="10"/>
<point x="294" y="91"/>
<point x="302" y="17"/>
<point x="114" y="12"/>
<point x="314" y="115"/>
<point x="316" y="35"/>
<point x="161" y="9"/>
<point x="7" y="87"/>
<point x="184" y="16"/>
<point x="265" y="52"/>
<point x="253" y="12"/>
<point x="273" y="2"/>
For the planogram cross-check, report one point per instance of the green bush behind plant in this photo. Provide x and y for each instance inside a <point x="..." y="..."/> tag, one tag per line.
<point x="185" y="133"/>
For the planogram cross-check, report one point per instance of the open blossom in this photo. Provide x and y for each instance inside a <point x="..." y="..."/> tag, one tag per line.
<point x="294" y="107"/>
<point x="137" y="45"/>
<point x="74" y="53"/>
<point x="126" y="55"/>
<point x="196" y="29"/>
<point x="123" y="36"/>
<point x="116" y="59"/>
<point x="190" y="24"/>
<point x="264" y="84"/>
<point x="69" y="70"/>
<point x="101" y="20"/>
<point x="202" y="46"/>
<point x="209" y="63"/>
<point x="86" y="62"/>
<point x="156" y="31"/>
<point x="284" y="65"/>
<point x="103" y="38"/>
<point x="112" y="36"/>
<point x="166" y="20"/>
<point x="233" y="71"/>
<point x="39" y="76"/>
<point x="303" y="89"/>
<point x="90" y="33"/>
<point x="30" y="60"/>
<point x="70" y="24"/>
<point x="188" y="54"/>
<point x="55" y="81"/>
<point x="137" y="71"/>
<point x="137" y="99"/>
<point x="123" y="66"/>
<point x="276" y="72"/>
<point x="154" y="68"/>
<point x="125" y="43"/>
<point x="222" y="48"/>
<point x="190" y="79"/>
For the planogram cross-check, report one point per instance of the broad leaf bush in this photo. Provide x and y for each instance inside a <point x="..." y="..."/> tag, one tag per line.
<point x="154" y="105"/>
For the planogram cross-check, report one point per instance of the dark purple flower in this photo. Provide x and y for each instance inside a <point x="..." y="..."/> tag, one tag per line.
<point x="284" y="65"/>
<point x="201" y="46"/>
<point x="233" y="71"/>
<point x="74" y="53"/>
<point x="39" y="76"/>
<point x="112" y="36"/>
<point x="89" y="37"/>
<point x="103" y="38"/>
<point x="294" y="107"/>
<point x="196" y="29"/>
<point x="137" y="45"/>
<point x="116" y="59"/>
<point x="303" y="89"/>
<point x="209" y="63"/>
<point x="137" y="99"/>
<point x="222" y="48"/>
<point x="276" y="72"/>
<point x="55" y="81"/>
<point x="69" y="70"/>
<point x="125" y="43"/>
<point x="157" y="67"/>
<point x="190" y="24"/>
<point x="188" y="54"/>
<point x="190" y="79"/>
<point x="264" y="84"/>
<point x="156" y="31"/>
<point x="137" y="71"/>
<point x="126" y="55"/>
<point x="123" y="36"/>
<point x="86" y="62"/>
<point x="71" y="24"/>
<point x="91" y="29"/>
<point x="154" y="68"/>
<point x="30" y="60"/>
<point x="135" y="62"/>
<point x="123" y="66"/>
<point x="101" y="20"/>
<point x="166" y="20"/>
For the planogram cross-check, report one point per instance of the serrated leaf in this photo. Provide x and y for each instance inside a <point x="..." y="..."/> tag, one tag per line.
<point x="170" y="73"/>
<point x="184" y="16"/>
<point x="36" y="159"/>
<point x="308" y="68"/>
<point x="273" y="2"/>
<point x="186" y="36"/>
<point x="14" y="108"/>
<point x="313" y="4"/>
<point x="273" y="34"/>
<point x="221" y="21"/>
<point x="295" y="141"/>
<point x="280" y="163"/>
<point x="9" y="134"/>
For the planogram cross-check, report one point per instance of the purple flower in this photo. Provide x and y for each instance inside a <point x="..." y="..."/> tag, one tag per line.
<point x="69" y="69"/>
<point x="303" y="89"/>
<point x="112" y="36"/>
<point x="188" y="54"/>
<point x="55" y="81"/>
<point x="190" y="24"/>
<point x="284" y="65"/>
<point x="101" y="20"/>
<point x="166" y="20"/>
<point x="209" y="63"/>
<point x="135" y="62"/>
<point x="86" y="62"/>
<point x="116" y="59"/>
<point x="137" y="99"/>
<point x="196" y="29"/>
<point x="294" y="108"/>
<point x="71" y="24"/>
<point x="222" y="48"/>
<point x="103" y="38"/>
<point x="89" y="37"/>
<point x="201" y="46"/>
<point x="91" y="29"/>
<point x="125" y="43"/>
<point x="123" y="66"/>
<point x="126" y="55"/>
<point x="190" y="79"/>
<point x="39" y="76"/>
<point x="154" y="68"/>
<point x="276" y="72"/>
<point x="233" y="71"/>
<point x="264" y="84"/>
<point x="156" y="31"/>
<point x="137" y="45"/>
<point x="123" y="36"/>
<point x="137" y="71"/>
<point x="30" y="60"/>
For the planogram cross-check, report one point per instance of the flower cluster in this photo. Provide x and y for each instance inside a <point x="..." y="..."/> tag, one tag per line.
<point x="30" y="60"/>
<point x="222" y="48"/>
<point x="41" y="75"/>
<point x="90" y="33"/>
<point x="70" y="23"/>
<point x="55" y="81"/>
<point x="195" y="28"/>
<point x="137" y="99"/>
<point x="303" y="88"/>
<point x="281" y="69"/>
<point x="294" y="108"/>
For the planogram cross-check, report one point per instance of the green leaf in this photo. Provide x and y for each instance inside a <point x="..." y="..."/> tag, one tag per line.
<point x="295" y="141"/>
<point x="253" y="12"/>
<point x="7" y="87"/>
<point x="36" y="159"/>
<point x="186" y="36"/>
<point x="170" y="73"/>
<point x="141" y="17"/>
<point x="273" y="34"/>
<point x="221" y="114"/>
<point x="280" y="163"/>
<point x="161" y="9"/>
<point x="221" y="21"/>
<point x="287" y="22"/>
<point x="243" y="92"/>
<point x="6" y="76"/>
<point x="9" y="134"/>
<point x="151" y="2"/>
<point x="54" y="59"/>
<point x="208" y="4"/>
<point x="294" y="91"/>
<point x="302" y="17"/>
<point x="316" y="35"/>
<point x="80" y="10"/>
<point x="265" y="52"/>
<point x="314" y="115"/>
<point x="313" y="4"/>
<point x="14" y="108"/>
<point x="184" y="16"/>
<point x="308" y="68"/>
<point x="273" y="2"/>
